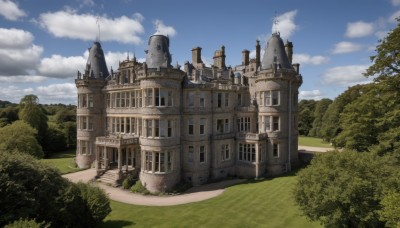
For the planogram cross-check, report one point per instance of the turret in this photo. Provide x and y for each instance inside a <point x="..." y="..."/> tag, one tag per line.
<point x="245" y="57"/>
<point x="275" y="55"/>
<point x="219" y="58"/>
<point x="96" y="66"/>
<point x="258" y="54"/>
<point x="158" y="54"/>
<point x="196" y="55"/>
<point x="289" y="50"/>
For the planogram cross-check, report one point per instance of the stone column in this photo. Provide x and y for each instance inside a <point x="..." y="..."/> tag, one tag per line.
<point x="105" y="158"/>
<point x="98" y="163"/>
<point x="119" y="159"/>
<point x="126" y="158"/>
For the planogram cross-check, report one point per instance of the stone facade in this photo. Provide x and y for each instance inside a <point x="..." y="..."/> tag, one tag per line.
<point x="202" y="123"/>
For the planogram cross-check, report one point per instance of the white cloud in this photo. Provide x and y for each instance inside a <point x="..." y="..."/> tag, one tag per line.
<point x="19" y="56"/>
<point x="395" y="2"/>
<point x="162" y="29"/>
<point x="22" y="79"/>
<point x="57" y="93"/>
<point x="138" y="16"/>
<point x="87" y="3"/>
<point x="285" y="24"/>
<point x="15" y="38"/>
<point x="309" y="60"/>
<point x="393" y="17"/>
<point x="346" y="47"/>
<point x="10" y="10"/>
<point x="346" y="75"/>
<point x="58" y="66"/>
<point x="359" y="29"/>
<point x="381" y="34"/>
<point x="71" y="25"/>
<point x="310" y="95"/>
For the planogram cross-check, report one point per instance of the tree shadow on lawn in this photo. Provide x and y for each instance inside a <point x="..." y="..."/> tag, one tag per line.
<point x="117" y="223"/>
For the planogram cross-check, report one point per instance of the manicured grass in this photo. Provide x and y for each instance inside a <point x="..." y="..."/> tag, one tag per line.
<point x="64" y="161"/>
<point x="311" y="141"/>
<point x="266" y="203"/>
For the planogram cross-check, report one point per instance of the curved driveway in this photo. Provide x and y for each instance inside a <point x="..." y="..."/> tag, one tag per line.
<point x="194" y="194"/>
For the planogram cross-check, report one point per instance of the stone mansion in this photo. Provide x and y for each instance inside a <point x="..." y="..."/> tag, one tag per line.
<point x="164" y="125"/>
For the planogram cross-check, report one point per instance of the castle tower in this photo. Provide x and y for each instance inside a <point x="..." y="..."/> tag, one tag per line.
<point x="196" y="56"/>
<point x="276" y="91"/>
<point x="157" y="54"/>
<point x="289" y="51"/>
<point x="245" y="57"/>
<point x="219" y="58"/>
<point x="161" y="118"/>
<point x="90" y="105"/>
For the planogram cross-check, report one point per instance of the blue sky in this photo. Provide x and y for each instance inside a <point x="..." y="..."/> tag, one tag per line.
<point x="44" y="42"/>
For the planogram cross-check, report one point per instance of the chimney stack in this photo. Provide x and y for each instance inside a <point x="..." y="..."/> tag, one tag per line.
<point x="245" y="57"/>
<point x="196" y="55"/>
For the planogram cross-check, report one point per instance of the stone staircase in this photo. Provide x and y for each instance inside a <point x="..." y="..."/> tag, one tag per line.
<point x="109" y="177"/>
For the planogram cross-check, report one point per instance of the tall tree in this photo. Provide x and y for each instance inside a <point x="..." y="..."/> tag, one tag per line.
<point x="345" y="189"/>
<point x="20" y="136"/>
<point x="320" y="110"/>
<point x="330" y="127"/>
<point x="306" y="117"/>
<point x="33" y="114"/>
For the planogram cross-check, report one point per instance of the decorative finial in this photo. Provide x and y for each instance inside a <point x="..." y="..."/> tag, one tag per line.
<point x="127" y="56"/>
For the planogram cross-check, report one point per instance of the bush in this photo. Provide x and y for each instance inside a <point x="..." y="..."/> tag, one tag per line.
<point x="23" y="223"/>
<point x="128" y="182"/>
<point x="32" y="190"/>
<point x="96" y="200"/>
<point x="139" y="188"/>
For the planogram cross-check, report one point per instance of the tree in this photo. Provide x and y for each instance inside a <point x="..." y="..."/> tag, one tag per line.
<point x="306" y="117"/>
<point x="391" y="208"/>
<point x="330" y="127"/>
<point x="320" y="110"/>
<point x="19" y="136"/>
<point x="387" y="60"/>
<point x="32" y="190"/>
<point x="69" y="129"/>
<point x="8" y="115"/>
<point x="33" y="114"/>
<point x="55" y="139"/>
<point x="96" y="201"/>
<point x="23" y="223"/>
<point x="344" y="189"/>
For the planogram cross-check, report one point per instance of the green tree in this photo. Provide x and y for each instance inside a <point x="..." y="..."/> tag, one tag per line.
<point x="320" y="110"/>
<point x="344" y="189"/>
<point x="69" y="129"/>
<point x="306" y="117"/>
<point x="359" y="121"/>
<point x="96" y="201"/>
<point x="20" y="136"/>
<point x="32" y="190"/>
<point x="55" y="139"/>
<point x="8" y="115"/>
<point x="31" y="112"/>
<point x="391" y="208"/>
<point x="330" y="127"/>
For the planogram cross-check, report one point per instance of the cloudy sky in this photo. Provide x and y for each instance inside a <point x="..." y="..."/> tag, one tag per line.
<point x="43" y="43"/>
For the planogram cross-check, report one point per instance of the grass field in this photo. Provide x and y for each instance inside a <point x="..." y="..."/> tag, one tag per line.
<point x="314" y="142"/>
<point x="266" y="203"/>
<point x="63" y="161"/>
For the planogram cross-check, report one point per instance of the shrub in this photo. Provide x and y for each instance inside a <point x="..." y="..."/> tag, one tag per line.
<point x="23" y="223"/>
<point x="128" y="182"/>
<point x="96" y="201"/>
<point x="139" y="188"/>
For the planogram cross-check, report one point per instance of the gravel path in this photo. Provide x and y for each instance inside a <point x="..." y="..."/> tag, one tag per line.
<point x="194" y="194"/>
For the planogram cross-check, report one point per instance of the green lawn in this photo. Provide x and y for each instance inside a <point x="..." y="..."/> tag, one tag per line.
<point x="311" y="141"/>
<point x="64" y="161"/>
<point x="267" y="203"/>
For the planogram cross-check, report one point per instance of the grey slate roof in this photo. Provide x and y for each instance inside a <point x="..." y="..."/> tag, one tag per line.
<point x="275" y="53"/>
<point x="96" y="65"/>
<point x="157" y="54"/>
